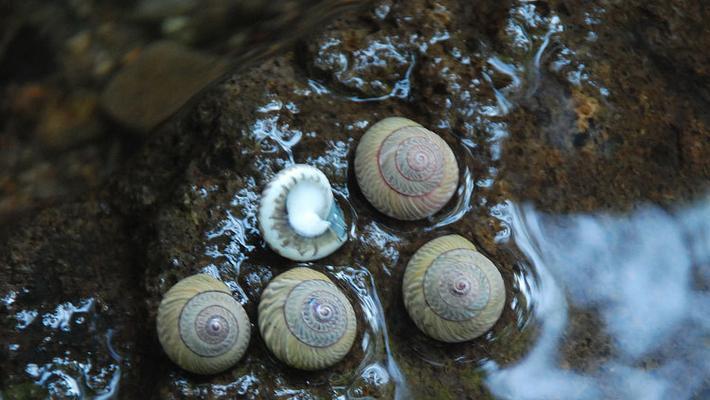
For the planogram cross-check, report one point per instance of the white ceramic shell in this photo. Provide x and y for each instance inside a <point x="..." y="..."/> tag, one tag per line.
<point x="452" y="292"/>
<point x="305" y="320"/>
<point x="201" y="327"/>
<point x="404" y="170"/>
<point x="273" y="217"/>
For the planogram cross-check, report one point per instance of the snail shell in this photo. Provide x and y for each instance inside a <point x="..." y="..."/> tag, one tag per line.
<point x="201" y="327"/>
<point x="452" y="292"/>
<point x="305" y="320"/>
<point x="298" y="215"/>
<point x="404" y="170"/>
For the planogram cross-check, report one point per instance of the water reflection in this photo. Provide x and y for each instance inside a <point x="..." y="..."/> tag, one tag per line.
<point x="73" y="374"/>
<point x="378" y="371"/>
<point x="640" y="273"/>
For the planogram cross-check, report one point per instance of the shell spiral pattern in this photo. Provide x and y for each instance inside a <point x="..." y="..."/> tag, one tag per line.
<point x="274" y="222"/>
<point x="201" y="327"/>
<point x="452" y="292"/>
<point x="404" y="170"/>
<point x="305" y="320"/>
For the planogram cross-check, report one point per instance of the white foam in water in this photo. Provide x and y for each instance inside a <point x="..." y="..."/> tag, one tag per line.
<point x="303" y="203"/>
<point x="637" y="271"/>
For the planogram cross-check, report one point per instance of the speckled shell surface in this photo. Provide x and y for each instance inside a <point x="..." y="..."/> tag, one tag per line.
<point x="305" y="320"/>
<point x="273" y="217"/>
<point x="201" y="327"/>
<point x="452" y="292"/>
<point x="404" y="170"/>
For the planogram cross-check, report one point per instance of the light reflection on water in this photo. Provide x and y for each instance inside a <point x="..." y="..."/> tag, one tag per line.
<point x="72" y="375"/>
<point x="637" y="271"/>
<point x="378" y="369"/>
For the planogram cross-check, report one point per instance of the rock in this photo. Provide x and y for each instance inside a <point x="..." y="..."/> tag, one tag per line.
<point x="70" y="305"/>
<point x="160" y="81"/>
<point x="511" y="93"/>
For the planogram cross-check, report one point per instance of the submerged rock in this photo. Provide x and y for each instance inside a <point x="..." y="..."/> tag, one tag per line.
<point x="160" y="81"/>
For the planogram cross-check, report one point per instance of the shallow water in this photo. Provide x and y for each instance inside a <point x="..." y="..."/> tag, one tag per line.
<point x="569" y="181"/>
<point x="638" y="274"/>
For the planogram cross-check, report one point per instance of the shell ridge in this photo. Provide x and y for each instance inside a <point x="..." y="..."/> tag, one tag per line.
<point x="456" y="311"/>
<point x="201" y="327"/>
<point x="273" y="216"/>
<point x="404" y="170"/>
<point x="309" y="343"/>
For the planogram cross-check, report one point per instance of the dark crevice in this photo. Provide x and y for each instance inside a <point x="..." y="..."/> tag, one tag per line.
<point x="28" y="56"/>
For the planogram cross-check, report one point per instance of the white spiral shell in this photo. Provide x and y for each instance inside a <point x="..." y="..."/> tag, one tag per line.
<point x="404" y="170"/>
<point x="305" y="320"/>
<point x="201" y="327"/>
<point x="452" y="292"/>
<point x="276" y="228"/>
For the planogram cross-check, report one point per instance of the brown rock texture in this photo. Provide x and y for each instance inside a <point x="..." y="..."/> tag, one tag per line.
<point x="569" y="105"/>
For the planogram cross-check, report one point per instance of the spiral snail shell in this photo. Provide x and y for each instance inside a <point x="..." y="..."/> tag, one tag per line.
<point x="404" y="170"/>
<point x="305" y="320"/>
<point x="452" y="292"/>
<point x="298" y="216"/>
<point x="201" y="327"/>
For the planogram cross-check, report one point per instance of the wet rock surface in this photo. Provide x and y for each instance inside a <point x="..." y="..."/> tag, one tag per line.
<point x="70" y="305"/>
<point x="569" y="105"/>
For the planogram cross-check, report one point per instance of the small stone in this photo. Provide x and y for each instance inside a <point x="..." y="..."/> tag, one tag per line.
<point x="160" y="81"/>
<point x="80" y="42"/>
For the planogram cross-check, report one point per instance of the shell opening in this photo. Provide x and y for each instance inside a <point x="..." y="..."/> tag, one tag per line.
<point x="308" y="207"/>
